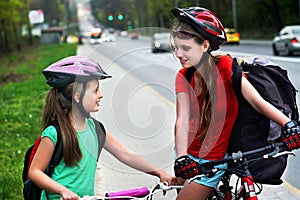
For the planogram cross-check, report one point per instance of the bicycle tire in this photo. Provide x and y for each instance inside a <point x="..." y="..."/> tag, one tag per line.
<point x="216" y="195"/>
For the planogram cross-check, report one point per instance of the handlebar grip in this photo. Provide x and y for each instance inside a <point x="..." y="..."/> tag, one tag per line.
<point x="136" y="192"/>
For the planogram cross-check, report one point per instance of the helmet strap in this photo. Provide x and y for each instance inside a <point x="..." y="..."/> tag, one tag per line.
<point x="204" y="59"/>
<point x="64" y="94"/>
<point x="80" y="103"/>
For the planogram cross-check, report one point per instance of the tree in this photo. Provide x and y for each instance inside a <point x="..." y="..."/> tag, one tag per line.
<point x="12" y="17"/>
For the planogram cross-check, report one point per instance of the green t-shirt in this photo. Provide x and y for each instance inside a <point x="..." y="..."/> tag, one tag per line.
<point x="79" y="179"/>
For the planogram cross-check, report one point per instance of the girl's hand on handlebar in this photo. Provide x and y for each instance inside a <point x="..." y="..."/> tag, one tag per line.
<point x="186" y="168"/>
<point x="171" y="180"/>
<point x="69" y="195"/>
<point x="291" y="136"/>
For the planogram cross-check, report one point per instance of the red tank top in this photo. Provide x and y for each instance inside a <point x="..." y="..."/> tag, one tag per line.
<point x="225" y="111"/>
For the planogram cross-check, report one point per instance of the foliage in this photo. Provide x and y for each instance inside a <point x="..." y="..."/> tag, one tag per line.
<point x="12" y="16"/>
<point x="21" y="108"/>
<point x="15" y="26"/>
<point x="266" y="18"/>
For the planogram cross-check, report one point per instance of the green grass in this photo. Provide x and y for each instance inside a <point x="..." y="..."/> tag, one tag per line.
<point x="21" y="104"/>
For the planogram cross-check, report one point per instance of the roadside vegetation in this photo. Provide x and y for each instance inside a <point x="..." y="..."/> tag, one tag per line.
<point x="22" y="93"/>
<point x="255" y="19"/>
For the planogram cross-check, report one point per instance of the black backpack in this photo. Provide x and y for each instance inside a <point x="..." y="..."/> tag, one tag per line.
<point x="32" y="191"/>
<point x="253" y="130"/>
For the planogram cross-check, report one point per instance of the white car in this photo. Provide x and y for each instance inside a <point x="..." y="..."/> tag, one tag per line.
<point x="287" y="41"/>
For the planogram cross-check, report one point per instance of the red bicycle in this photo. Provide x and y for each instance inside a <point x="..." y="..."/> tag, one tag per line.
<point x="245" y="187"/>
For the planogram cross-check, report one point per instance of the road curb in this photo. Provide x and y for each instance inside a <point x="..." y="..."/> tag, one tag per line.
<point x="256" y="42"/>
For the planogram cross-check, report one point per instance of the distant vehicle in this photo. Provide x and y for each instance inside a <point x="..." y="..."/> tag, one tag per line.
<point x="287" y="41"/>
<point x="123" y="33"/>
<point x="96" y="40"/>
<point x="160" y="42"/>
<point x="233" y="37"/>
<point x="72" y="39"/>
<point x="109" y="38"/>
<point x="96" y="34"/>
<point x="134" y="36"/>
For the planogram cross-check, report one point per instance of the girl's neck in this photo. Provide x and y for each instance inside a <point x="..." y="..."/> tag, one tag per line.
<point x="198" y="83"/>
<point x="77" y="120"/>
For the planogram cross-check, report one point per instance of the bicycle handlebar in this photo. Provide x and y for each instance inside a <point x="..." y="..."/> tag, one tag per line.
<point x="271" y="150"/>
<point x="140" y="192"/>
<point x="135" y="192"/>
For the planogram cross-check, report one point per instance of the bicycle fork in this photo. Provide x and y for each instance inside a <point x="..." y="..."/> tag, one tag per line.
<point x="248" y="185"/>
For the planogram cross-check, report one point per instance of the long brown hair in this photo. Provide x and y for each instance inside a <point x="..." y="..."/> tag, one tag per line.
<point x="206" y="74"/>
<point x="57" y="108"/>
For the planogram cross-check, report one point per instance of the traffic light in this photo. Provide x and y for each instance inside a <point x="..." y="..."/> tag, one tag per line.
<point x="110" y="18"/>
<point x="120" y="17"/>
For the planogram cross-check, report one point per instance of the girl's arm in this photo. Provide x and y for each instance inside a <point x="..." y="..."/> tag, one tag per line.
<point x="39" y="164"/>
<point x="262" y="106"/>
<point x="182" y="123"/>
<point x="134" y="160"/>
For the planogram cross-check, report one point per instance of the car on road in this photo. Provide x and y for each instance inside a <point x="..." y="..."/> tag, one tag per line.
<point x="160" y="42"/>
<point x="96" y="36"/>
<point x="287" y="41"/>
<point x="134" y="36"/>
<point x="109" y="37"/>
<point x="233" y="37"/>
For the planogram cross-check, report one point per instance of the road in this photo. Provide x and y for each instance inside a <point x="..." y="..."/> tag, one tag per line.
<point x="158" y="71"/>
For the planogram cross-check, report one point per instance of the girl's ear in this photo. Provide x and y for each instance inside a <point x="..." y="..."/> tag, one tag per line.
<point x="206" y="45"/>
<point x="76" y="96"/>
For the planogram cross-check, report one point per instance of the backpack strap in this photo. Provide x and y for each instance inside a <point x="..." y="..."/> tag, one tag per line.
<point x="101" y="135"/>
<point x="237" y="79"/>
<point x="57" y="154"/>
<point x="58" y="151"/>
<point x="189" y="73"/>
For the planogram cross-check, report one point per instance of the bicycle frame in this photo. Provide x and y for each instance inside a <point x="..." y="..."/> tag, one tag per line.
<point x="246" y="190"/>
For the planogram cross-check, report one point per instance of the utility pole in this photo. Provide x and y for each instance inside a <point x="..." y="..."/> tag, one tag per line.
<point x="235" y="26"/>
<point x="176" y="3"/>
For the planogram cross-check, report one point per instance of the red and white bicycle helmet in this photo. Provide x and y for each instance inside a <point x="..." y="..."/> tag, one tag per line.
<point x="71" y="69"/>
<point x="203" y="21"/>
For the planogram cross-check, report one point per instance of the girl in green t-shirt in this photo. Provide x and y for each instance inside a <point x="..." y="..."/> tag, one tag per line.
<point x="74" y="94"/>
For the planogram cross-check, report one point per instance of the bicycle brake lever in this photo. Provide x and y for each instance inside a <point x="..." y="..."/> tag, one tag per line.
<point x="276" y="153"/>
<point x="284" y="153"/>
<point x="194" y="178"/>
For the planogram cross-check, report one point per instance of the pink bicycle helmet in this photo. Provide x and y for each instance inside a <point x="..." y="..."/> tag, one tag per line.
<point x="71" y="69"/>
<point x="203" y="21"/>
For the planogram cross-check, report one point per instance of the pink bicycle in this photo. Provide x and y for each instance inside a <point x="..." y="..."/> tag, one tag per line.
<point x="135" y="193"/>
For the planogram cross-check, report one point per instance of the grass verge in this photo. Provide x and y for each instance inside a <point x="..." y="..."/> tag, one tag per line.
<point x="22" y="93"/>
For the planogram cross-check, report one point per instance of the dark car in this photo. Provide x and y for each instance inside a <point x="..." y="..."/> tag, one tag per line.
<point x="160" y="42"/>
<point x="287" y="41"/>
